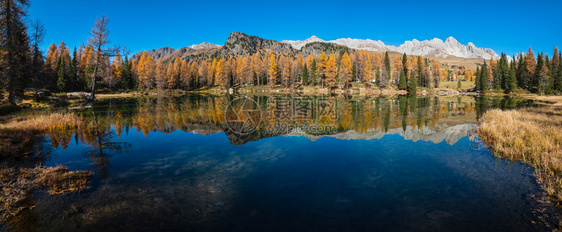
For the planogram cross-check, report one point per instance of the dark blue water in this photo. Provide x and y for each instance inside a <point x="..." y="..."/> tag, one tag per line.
<point x="436" y="177"/>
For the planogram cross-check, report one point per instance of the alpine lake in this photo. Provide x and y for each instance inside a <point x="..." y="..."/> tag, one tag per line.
<point x="286" y="163"/>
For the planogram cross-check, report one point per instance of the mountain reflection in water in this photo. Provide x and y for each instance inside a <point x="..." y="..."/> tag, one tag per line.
<point x="415" y="118"/>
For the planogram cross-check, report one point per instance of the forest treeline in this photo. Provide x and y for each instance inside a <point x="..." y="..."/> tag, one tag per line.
<point x="539" y="75"/>
<point x="67" y="72"/>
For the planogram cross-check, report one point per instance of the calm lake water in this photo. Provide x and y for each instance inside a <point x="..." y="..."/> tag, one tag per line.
<point x="287" y="163"/>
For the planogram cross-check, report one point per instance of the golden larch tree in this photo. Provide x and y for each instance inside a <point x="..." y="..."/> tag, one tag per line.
<point x="51" y="56"/>
<point x="272" y="71"/>
<point x="331" y="71"/>
<point x="145" y="71"/>
<point x="345" y="70"/>
<point x="219" y="73"/>
<point x="160" y="75"/>
<point x="117" y="66"/>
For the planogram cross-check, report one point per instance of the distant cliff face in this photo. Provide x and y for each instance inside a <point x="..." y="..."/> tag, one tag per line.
<point x="186" y="53"/>
<point x="161" y="53"/>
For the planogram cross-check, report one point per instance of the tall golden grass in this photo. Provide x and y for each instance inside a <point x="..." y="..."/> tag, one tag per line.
<point x="532" y="135"/>
<point x="45" y="123"/>
<point x="17" y="134"/>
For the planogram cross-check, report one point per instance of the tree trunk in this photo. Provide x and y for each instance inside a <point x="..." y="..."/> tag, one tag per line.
<point x="10" y="45"/>
<point x="94" y="77"/>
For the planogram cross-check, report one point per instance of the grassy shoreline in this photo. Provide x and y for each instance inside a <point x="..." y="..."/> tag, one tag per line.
<point x="532" y="135"/>
<point x="20" y="172"/>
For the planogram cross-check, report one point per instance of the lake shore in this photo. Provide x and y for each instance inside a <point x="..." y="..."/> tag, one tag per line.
<point x="20" y="174"/>
<point x="531" y="135"/>
<point x="318" y="90"/>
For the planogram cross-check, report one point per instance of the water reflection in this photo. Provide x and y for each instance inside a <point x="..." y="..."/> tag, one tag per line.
<point x="100" y="145"/>
<point x="281" y="115"/>
<point x="318" y="163"/>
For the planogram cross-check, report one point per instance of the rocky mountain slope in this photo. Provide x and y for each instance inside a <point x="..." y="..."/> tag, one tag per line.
<point x="185" y="53"/>
<point x="435" y="47"/>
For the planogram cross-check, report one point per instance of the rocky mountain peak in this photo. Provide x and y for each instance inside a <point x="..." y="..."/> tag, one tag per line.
<point x="451" y="40"/>
<point x="239" y="43"/>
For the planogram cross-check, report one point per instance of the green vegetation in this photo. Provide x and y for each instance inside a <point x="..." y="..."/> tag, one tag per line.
<point x="402" y="83"/>
<point x="412" y="83"/>
<point x="538" y="75"/>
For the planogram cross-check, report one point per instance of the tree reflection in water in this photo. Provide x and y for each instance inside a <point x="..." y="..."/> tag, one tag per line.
<point x="100" y="149"/>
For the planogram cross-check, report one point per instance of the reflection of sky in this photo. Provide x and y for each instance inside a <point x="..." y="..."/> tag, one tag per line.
<point x="294" y="182"/>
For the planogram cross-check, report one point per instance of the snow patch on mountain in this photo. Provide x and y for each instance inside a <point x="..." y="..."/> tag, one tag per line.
<point x="296" y="44"/>
<point x="435" y="47"/>
<point x="204" y="45"/>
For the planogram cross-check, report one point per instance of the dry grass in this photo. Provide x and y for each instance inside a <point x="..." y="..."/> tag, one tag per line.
<point x="60" y="180"/>
<point x="17" y="135"/>
<point x="531" y="135"/>
<point x="44" y="123"/>
<point x="18" y="183"/>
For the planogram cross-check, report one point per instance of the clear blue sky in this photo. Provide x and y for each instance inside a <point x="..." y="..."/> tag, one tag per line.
<point x="509" y="26"/>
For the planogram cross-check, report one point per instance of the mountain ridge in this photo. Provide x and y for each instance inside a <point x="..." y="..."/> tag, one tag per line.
<point x="436" y="47"/>
<point x="239" y="43"/>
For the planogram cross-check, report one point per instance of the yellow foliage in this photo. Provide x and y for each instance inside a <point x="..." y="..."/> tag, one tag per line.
<point x="272" y="71"/>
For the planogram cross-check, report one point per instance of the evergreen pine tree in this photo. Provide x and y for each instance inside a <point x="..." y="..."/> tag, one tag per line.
<point x="550" y="86"/>
<point x="523" y="76"/>
<point x="420" y="73"/>
<point x="500" y="75"/>
<point x="554" y="70"/>
<point x="477" y="79"/>
<point x="354" y="72"/>
<point x="126" y="75"/>
<point x="387" y="66"/>
<point x="559" y="77"/>
<point x="404" y="61"/>
<point x="537" y="85"/>
<point x="61" y="73"/>
<point x="412" y="84"/>
<point x="305" y="75"/>
<point x="511" y="80"/>
<point x="313" y="73"/>
<point x="402" y="83"/>
<point x="459" y="85"/>
<point x="484" y="78"/>
<point x="14" y="43"/>
<point x="378" y="77"/>
<point x="73" y="71"/>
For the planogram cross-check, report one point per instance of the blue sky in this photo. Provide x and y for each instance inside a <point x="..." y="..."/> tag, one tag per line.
<point x="508" y="26"/>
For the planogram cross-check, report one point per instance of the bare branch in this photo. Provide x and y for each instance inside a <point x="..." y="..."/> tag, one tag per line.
<point x="38" y="32"/>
